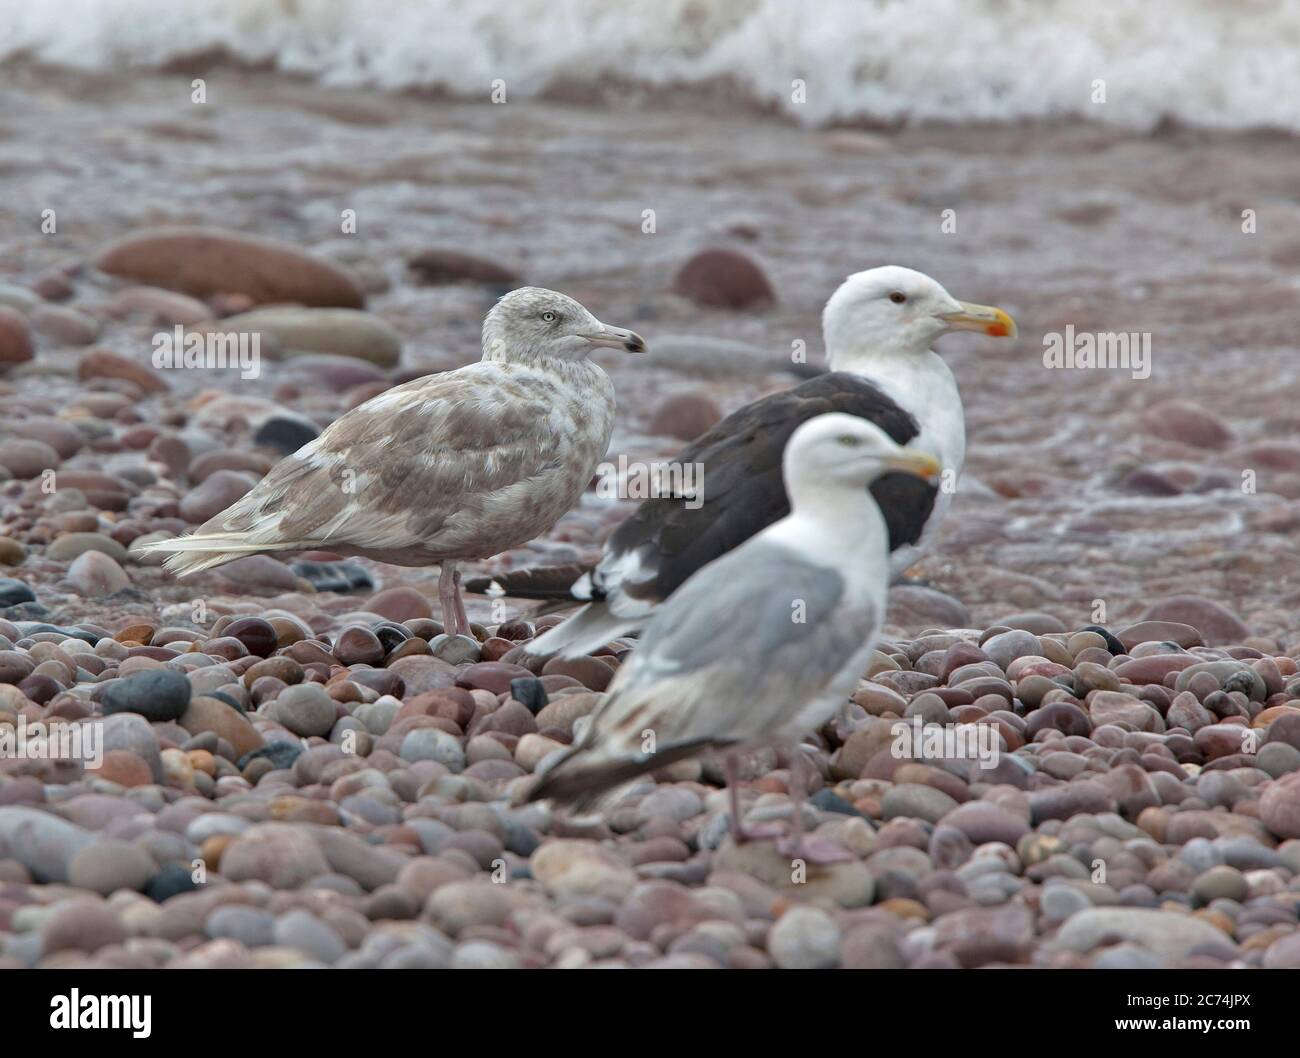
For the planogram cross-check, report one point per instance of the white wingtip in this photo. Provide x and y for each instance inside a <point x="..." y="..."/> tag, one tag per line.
<point x="187" y="555"/>
<point x="589" y="629"/>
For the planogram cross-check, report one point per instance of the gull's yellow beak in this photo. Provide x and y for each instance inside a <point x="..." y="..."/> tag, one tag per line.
<point x="922" y="464"/>
<point x="983" y="318"/>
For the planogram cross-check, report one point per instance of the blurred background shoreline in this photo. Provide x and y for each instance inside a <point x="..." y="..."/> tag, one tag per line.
<point x="1135" y="64"/>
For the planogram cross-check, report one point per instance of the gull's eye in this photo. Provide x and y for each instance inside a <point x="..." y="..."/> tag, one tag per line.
<point x="549" y="317"/>
<point x="897" y="297"/>
<point x="849" y="440"/>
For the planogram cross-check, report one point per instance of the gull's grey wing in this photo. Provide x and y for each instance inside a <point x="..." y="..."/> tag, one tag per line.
<point x="765" y="597"/>
<point x="741" y="646"/>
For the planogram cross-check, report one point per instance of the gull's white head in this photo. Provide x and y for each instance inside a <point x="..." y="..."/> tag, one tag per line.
<point x="892" y="311"/>
<point x="848" y="452"/>
<point x="535" y="323"/>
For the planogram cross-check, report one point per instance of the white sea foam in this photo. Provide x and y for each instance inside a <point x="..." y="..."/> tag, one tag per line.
<point x="1218" y="63"/>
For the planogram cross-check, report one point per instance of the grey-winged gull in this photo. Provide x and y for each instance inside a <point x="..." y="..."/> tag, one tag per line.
<point x="455" y="466"/>
<point x="763" y="645"/>
<point x="879" y="327"/>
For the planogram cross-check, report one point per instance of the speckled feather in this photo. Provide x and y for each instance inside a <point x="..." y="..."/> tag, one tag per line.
<point x="462" y="465"/>
<point x="459" y="465"/>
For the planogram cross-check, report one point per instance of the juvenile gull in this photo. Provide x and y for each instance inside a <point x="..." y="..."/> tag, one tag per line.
<point x="763" y="645"/>
<point x="879" y="327"/>
<point x="455" y="466"/>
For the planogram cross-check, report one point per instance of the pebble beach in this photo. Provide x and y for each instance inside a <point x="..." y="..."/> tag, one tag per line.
<point x="299" y="768"/>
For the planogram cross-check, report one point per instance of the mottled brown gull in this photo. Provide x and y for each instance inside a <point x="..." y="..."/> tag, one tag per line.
<point x="451" y="467"/>
<point x="763" y="645"/>
<point x="879" y="327"/>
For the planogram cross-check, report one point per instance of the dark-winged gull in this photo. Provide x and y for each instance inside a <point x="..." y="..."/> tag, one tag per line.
<point x="879" y="327"/>
<point x="763" y="645"/>
<point x="455" y="466"/>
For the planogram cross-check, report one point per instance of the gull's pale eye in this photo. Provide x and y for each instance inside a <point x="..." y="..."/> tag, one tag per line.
<point x="897" y="297"/>
<point x="549" y="317"/>
<point x="849" y="440"/>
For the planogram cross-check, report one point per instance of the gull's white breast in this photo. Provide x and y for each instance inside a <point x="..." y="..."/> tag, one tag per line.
<point x="925" y="387"/>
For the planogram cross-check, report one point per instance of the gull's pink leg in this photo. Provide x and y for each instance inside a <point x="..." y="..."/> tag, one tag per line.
<point x="732" y="775"/>
<point x="798" y="793"/>
<point x="449" y="597"/>
<point x="731" y="772"/>
<point x="462" y="617"/>
<point x="797" y="845"/>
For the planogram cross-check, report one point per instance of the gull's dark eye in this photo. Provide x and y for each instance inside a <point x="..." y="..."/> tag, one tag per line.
<point x="549" y="317"/>
<point x="898" y="297"/>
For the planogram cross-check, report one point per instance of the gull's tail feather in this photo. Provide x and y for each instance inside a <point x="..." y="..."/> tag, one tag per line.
<point x="581" y="781"/>
<point x="552" y="583"/>
<point x="589" y="629"/>
<point x="187" y="555"/>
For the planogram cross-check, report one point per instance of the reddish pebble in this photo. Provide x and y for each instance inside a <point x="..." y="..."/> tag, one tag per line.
<point x="400" y="604"/>
<point x="257" y="635"/>
<point x="590" y="672"/>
